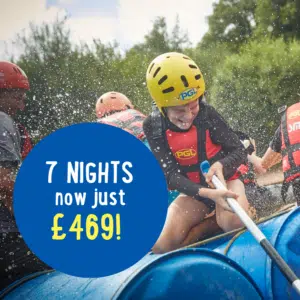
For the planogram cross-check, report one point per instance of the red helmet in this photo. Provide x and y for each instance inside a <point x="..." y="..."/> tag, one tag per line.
<point x="112" y="101"/>
<point x="12" y="76"/>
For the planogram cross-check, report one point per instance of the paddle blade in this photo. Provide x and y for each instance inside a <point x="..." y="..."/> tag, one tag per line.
<point x="204" y="166"/>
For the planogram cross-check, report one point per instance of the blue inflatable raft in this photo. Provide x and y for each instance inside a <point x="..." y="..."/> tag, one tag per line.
<point x="231" y="266"/>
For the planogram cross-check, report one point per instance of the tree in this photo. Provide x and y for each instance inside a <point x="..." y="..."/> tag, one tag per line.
<point x="232" y="22"/>
<point x="159" y="40"/>
<point x="179" y="40"/>
<point x="249" y="87"/>
<point x="209" y="58"/>
<point x="45" y="54"/>
<point x="65" y="79"/>
<point x="246" y="87"/>
<point x="278" y="18"/>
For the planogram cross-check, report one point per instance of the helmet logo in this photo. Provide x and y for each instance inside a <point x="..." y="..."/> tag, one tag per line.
<point x="188" y="94"/>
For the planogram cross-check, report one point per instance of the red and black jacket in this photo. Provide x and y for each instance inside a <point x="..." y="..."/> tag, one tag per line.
<point x="290" y="142"/>
<point x="130" y="120"/>
<point x="180" y="152"/>
<point x="191" y="148"/>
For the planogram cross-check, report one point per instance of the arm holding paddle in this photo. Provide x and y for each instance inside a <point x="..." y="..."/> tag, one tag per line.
<point x="256" y="232"/>
<point x="218" y="196"/>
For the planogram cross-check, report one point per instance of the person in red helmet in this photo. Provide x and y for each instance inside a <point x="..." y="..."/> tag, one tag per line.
<point x="16" y="259"/>
<point x="13" y="86"/>
<point x="116" y="109"/>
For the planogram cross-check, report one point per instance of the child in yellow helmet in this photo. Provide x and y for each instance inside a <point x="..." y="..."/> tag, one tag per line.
<point x="182" y="132"/>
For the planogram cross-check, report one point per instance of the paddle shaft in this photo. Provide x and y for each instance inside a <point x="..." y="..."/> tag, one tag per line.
<point x="260" y="238"/>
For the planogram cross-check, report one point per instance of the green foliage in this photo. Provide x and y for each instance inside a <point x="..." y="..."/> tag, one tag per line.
<point x="209" y="57"/>
<point x="278" y="18"/>
<point x="232" y="22"/>
<point x="249" y="87"/>
<point x="159" y="41"/>
<point x="67" y="80"/>
<point x="249" y="59"/>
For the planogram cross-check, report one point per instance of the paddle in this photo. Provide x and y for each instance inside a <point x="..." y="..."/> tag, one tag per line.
<point x="256" y="232"/>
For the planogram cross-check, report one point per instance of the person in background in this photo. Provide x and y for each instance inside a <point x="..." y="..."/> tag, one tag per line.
<point x="259" y="197"/>
<point x="16" y="259"/>
<point x="285" y="147"/>
<point x="114" y="108"/>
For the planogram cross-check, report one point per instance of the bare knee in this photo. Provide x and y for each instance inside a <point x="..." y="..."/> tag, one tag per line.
<point x="183" y="214"/>
<point x="229" y="221"/>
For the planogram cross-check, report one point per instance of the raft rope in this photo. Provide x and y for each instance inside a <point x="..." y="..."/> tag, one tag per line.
<point x="223" y="235"/>
<point x="234" y="238"/>
<point x="16" y="284"/>
<point x="256" y="232"/>
<point x="232" y="241"/>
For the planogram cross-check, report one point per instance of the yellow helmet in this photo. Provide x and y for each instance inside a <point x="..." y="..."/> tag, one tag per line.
<point x="174" y="79"/>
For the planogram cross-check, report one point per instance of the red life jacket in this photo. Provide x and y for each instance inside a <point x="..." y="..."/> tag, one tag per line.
<point x="185" y="148"/>
<point x="290" y="142"/>
<point x="26" y="142"/>
<point x="192" y="147"/>
<point x="130" y="120"/>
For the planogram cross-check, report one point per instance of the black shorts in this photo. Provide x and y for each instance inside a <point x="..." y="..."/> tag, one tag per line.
<point x="16" y="259"/>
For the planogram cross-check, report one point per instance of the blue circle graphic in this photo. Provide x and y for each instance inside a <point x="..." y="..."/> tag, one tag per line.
<point x="90" y="200"/>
